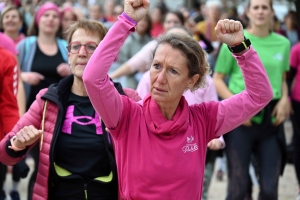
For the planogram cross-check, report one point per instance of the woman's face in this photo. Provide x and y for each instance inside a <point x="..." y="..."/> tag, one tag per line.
<point x="79" y="60"/>
<point x="142" y="26"/>
<point x="156" y="16"/>
<point x="169" y="75"/>
<point x="67" y="19"/>
<point x="11" y="21"/>
<point x="260" y="13"/>
<point x="49" y="22"/>
<point x="171" y="20"/>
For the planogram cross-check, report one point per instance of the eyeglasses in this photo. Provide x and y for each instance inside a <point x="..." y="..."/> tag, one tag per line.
<point x="74" y="47"/>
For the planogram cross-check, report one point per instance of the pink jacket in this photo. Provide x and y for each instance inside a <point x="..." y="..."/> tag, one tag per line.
<point x="34" y="116"/>
<point x="147" y="152"/>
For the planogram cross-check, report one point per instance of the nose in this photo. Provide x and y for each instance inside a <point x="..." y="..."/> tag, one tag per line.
<point x="260" y="9"/>
<point x="161" y="78"/>
<point x="82" y="51"/>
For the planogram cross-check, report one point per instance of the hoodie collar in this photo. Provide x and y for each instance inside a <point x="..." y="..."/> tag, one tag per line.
<point x="159" y="125"/>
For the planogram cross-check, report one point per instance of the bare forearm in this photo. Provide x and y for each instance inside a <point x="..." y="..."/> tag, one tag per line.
<point x="221" y="86"/>
<point x="123" y="70"/>
<point x="285" y="91"/>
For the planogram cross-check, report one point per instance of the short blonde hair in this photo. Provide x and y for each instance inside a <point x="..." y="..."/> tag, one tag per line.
<point x="6" y="10"/>
<point x="90" y="26"/>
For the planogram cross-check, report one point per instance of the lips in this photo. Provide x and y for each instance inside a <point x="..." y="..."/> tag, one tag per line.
<point x="10" y="24"/>
<point x="159" y="89"/>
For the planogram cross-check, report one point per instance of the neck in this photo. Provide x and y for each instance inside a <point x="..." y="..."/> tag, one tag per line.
<point x="168" y="109"/>
<point x="12" y="34"/>
<point x="289" y="28"/>
<point x="46" y="38"/>
<point x="259" y="31"/>
<point x="78" y="87"/>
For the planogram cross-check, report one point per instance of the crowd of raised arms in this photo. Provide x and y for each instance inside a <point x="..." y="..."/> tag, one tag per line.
<point x="137" y="100"/>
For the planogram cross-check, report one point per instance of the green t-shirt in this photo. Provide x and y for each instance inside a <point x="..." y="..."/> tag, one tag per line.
<point x="273" y="51"/>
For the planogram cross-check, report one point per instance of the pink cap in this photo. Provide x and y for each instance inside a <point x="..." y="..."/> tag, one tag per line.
<point x="47" y="6"/>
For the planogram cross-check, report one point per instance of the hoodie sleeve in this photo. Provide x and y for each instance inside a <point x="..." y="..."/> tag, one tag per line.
<point x="234" y="111"/>
<point x="103" y="95"/>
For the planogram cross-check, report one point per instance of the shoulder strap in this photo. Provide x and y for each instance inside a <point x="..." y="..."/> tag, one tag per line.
<point x="119" y="87"/>
<point x="28" y="42"/>
<point x="43" y="124"/>
<point x="62" y="45"/>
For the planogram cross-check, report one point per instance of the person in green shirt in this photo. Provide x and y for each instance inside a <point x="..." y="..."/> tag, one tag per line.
<point x="263" y="135"/>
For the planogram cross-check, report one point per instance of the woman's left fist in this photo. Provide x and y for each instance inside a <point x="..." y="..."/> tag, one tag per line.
<point x="230" y="32"/>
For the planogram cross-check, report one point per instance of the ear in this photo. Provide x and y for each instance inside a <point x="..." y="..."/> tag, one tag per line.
<point x="193" y="81"/>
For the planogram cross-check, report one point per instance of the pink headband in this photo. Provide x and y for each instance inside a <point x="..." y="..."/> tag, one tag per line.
<point x="47" y="6"/>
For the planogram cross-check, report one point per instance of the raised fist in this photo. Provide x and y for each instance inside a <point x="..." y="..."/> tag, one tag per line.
<point x="230" y="32"/>
<point x="136" y="9"/>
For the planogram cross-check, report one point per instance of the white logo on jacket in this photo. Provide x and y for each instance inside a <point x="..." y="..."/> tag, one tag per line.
<point x="190" y="147"/>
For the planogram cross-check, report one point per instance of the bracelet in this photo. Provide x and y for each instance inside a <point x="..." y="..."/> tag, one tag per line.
<point x="13" y="147"/>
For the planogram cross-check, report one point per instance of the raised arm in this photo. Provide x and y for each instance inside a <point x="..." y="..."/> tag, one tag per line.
<point x="104" y="97"/>
<point x="235" y="110"/>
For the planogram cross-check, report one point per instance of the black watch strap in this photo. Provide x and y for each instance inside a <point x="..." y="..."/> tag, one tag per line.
<point x="241" y="47"/>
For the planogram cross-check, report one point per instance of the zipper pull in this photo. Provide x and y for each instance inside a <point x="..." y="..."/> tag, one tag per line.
<point x="85" y="192"/>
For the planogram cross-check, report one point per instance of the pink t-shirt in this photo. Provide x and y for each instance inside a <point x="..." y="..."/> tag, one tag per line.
<point x="295" y="63"/>
<point x="8" y="44"/>
<point x="19" y="38"/>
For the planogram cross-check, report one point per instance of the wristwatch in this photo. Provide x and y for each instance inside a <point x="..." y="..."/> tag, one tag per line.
<point x="241" y="47"/>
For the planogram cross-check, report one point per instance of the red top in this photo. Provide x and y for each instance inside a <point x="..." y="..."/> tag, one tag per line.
<point x="157" y="29"/>
<point x="9" y="113"/>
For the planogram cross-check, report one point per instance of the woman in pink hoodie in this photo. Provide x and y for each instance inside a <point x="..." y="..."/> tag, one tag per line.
<point x="160" y="142"/>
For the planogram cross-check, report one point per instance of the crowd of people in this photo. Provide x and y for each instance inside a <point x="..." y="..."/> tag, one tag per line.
<point x="120" y="101"/>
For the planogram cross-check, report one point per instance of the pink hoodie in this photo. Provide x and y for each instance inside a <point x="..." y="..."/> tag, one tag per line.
<point x="159" y="158"/>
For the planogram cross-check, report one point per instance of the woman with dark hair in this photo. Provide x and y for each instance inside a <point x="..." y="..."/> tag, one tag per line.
<point x="292" y="29"/>
<point x="68" y="17"/>
<point x="157" y="15"/>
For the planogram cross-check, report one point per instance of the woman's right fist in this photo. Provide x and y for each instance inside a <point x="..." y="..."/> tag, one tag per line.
<point x="27" y="136"/>
<point x="136" y="9"/>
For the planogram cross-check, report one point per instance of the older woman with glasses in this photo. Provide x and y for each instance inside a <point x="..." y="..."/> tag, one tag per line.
<point x="76" y="153"/>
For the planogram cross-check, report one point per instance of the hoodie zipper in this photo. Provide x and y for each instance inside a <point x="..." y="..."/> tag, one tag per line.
<point x="85" y="191"/>
<point x="57" y="125"/>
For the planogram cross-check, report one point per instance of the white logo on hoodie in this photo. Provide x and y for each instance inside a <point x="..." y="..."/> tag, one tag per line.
<point x="190" y="147"/>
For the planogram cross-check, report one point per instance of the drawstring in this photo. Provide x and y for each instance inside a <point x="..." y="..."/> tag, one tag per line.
<point x="43" y="125"/>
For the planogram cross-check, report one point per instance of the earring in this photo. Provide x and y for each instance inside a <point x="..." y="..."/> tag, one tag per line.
<point x="187" y="87"/>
